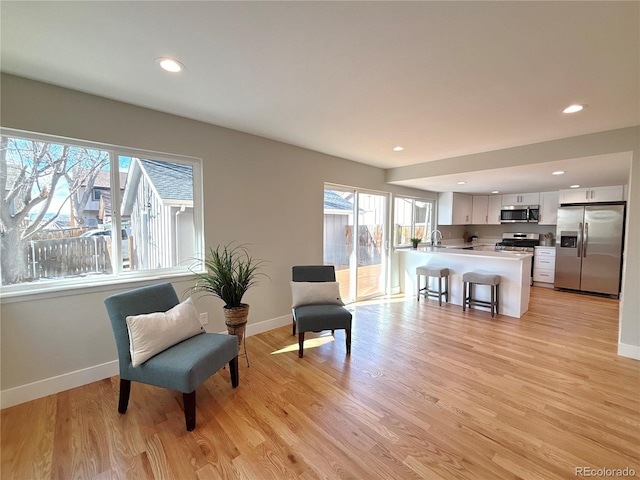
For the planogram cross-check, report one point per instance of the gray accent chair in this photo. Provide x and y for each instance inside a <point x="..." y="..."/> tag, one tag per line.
<point x="315" y="318"/>
<point x="182" y="367"/>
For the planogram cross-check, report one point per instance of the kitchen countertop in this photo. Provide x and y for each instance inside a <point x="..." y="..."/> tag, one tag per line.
<point x="464" y="250"/>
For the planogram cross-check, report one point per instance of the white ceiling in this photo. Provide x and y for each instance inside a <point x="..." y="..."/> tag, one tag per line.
<point x="591" y="171"/>
<point x="353" y="79"/>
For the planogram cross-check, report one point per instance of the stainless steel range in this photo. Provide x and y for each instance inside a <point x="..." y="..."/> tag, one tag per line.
<point x="520" y="242"/>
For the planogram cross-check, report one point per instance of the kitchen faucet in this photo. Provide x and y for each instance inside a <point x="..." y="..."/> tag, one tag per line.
<point x="437" y="241"/>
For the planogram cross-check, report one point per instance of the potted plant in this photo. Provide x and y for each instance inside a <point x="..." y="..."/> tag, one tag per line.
<point x="415" y="241"/>
<point x="230" y="272"/>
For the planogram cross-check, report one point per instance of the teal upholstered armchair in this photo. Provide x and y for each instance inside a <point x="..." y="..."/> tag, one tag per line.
<point x="182" y="366"/>
<point x="317" y="304"/>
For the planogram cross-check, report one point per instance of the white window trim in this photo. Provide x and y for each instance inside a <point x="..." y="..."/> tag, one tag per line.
<point x="413" y="222"/>
<point x="77" y="285"/>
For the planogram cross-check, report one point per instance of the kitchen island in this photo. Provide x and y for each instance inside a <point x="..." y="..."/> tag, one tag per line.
<point x="513" y="268"/>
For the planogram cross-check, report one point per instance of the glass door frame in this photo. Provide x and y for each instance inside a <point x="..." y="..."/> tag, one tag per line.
<point x="385" y="256"/>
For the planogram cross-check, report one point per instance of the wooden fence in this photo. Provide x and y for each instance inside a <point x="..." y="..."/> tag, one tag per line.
<point x="65" y="257"/>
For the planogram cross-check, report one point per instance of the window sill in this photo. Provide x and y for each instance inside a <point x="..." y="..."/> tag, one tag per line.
<point x="57" y="291"/>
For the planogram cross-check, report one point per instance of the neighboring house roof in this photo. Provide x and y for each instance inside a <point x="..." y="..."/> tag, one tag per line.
<point x="333" y="201"/>
<point x="103" y="179"/>
<point x="172" y="180"/>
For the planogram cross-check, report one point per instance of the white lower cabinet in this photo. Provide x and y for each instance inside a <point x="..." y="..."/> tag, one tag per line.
<point x="544" y="265"/>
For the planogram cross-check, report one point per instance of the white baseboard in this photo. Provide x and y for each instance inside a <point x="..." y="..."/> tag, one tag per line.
<point x="631" y="351"/>
<point x="50" y="386"/>
<point x="256" y="328"/>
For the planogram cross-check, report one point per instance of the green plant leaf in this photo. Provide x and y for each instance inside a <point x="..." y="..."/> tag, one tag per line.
<point x="230" y="272"/>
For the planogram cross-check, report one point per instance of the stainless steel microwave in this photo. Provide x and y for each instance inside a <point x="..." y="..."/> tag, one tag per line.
<point x="519" y="214"/>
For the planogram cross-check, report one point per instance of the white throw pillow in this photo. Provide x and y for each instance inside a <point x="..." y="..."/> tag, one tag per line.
<point x="315" y="293"/>
<point x="153" y="333"/>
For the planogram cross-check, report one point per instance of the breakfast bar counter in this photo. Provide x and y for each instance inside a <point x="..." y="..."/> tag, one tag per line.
<point x="513" y="268"/>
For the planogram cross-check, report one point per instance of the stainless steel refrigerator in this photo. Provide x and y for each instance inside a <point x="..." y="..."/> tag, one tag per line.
<point x="589" y="241"/>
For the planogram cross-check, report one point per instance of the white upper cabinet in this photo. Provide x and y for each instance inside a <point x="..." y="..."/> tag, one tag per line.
<point x="521" y="199"/>
<point x="454" y="208"/>
<point x="575" y="195"/>
<point x="486" y="210"/>
<point x="493" y="211"/>
<point x="549" y="203"/>
<point x="613" y="193"/>
<point x="479" y="215"/>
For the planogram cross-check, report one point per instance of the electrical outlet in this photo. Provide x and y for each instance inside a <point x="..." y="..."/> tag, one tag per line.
<point x="204" y="318"/>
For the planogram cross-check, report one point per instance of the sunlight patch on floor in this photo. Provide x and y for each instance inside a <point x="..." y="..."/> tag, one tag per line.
<point x="383" y="300"/>
<point x="308" y="343"/>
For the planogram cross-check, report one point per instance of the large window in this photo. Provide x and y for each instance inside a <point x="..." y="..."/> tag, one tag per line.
<point x="56" y="230"/>
<point x="413" y="218"/>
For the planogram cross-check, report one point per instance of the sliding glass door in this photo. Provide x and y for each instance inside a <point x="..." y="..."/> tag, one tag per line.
<point x="371" y="245"/>
<point x="355" y="240"/>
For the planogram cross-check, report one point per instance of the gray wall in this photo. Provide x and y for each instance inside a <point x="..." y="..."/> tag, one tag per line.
<point x="256" y="191"/>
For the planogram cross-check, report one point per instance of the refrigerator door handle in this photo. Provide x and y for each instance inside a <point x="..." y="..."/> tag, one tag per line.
<point x="579" y="249"/>
<point x="586" y="240"/>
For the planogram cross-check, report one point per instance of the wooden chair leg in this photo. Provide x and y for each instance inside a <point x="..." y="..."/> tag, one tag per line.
<point x="233" y="371"/>
<point x="348" y="335"/>
<point x="125" y="391"/>
<point x="493" y="300"/>
<point x="440" y="291"/>
<point x="294" y="328"/>
<point x="446" y="286"/>
<point x="189" y="400"/>
<point x="300" y="344"/>
<point x="464" y="296"/>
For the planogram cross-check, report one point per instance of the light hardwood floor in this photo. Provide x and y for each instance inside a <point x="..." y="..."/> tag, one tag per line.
<point x="428" y="392"/>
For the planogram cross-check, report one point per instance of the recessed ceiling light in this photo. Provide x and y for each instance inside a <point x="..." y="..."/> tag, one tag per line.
<point x="461" y="183"/>
<point x="574" y="186"/>
<point x="574" y="108"/>
<point x="398" y="148"/>
<point x="170" y="65"/>
<point x="496" y="191"/>
<point x="558" y="172"/>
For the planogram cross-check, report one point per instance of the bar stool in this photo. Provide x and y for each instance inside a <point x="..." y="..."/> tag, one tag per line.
<point x="471" y="279"/>
<point x="439" y="273"/>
